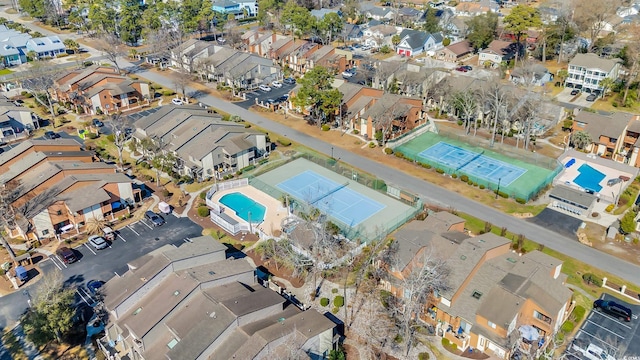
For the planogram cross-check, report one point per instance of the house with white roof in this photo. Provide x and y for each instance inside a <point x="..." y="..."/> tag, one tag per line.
<point x="45" y="47"/>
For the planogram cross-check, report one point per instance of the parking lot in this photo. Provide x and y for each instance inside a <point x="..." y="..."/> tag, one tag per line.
<point x="265" y="95"/>
<point x="565" y="97"/>
<point x="130" y="243"/>
<point x="619" y="339"/>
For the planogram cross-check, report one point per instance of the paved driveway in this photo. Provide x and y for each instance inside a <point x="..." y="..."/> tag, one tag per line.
<point x="619" y="338"/>
<point x="573" y="101"/>
<point x="131" y="242"/>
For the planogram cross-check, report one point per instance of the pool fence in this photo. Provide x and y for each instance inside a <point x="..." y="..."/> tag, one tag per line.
<point x="221" y="186"/>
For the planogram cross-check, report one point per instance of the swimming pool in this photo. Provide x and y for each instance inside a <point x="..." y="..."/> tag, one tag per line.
<point x="589" y="178"/>
<point x="244" y="207"/>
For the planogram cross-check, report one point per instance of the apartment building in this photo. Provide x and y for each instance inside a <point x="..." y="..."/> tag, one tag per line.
<point x="615" y="136"/>
<point x="492" y="292"/>
<point x="191" y="302"/>
<point x="58" y="187"/>
<point x="586" y="72"/>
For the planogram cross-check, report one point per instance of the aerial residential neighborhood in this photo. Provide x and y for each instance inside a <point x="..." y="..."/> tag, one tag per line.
<point x="277" y="179"/>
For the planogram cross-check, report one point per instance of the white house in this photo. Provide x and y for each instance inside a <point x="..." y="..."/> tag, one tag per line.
<point x="379" y="35"/>
<point x="586" y="72"/>
<point x="414" y="42"/>
<point x="45" y="47"/>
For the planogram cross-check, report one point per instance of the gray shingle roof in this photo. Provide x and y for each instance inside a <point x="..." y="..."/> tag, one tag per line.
<point x="594" y="61"/>
<point x="47" y="43"/>
<point x="415" y="38"/>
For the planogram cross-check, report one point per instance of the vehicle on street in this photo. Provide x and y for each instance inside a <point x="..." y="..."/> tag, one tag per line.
<point x="51" y="135"/>
<point x="592" y="97"/>
<point x="164" y="207"/>
<point x="365" y="48"/>
<point x="176" y="101"/>
<point x="98" y="242"/>
<point x="97" y="122"/>
<point x="156" y="219"/>
<point x="613" y="308"/>
<point x="276" y="84"/>
<point x="21" y="273"/>
<point x="94" y="285"/>
<point x="468" y="67"/>
<point x="347" y="74"/>
<point x="66" y="255"/>
<point x="264" y="87"/>
<point x="462" y="69"/>
<point x="289" y="81"/>
<point x="221" y="40"/>
<point x="575" y="92"/>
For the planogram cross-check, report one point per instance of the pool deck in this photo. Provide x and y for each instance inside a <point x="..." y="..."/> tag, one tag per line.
<point x="611" y="171"/>
<point x="273" y="215"/>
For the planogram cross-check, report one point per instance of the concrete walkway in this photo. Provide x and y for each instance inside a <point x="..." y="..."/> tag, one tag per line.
<point x="581" y="291"/>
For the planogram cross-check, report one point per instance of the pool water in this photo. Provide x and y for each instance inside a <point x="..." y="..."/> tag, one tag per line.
<point x="589" y="178"/>
<point x="243" y="205"/>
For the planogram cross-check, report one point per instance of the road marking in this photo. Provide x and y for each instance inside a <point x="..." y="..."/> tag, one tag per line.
<point x="605" y="329"/>
<point x="87" y="246"/>
<point x="130" y="228"/>
<point x="145" y="224"/>
<point x="121" y="238"/>
<point x="612" y="318"/>
<point x="55" y="263"/>
<point x="82" y="294"/>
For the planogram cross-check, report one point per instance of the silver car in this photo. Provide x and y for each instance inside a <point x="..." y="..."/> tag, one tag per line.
<point x="98" y="242"/>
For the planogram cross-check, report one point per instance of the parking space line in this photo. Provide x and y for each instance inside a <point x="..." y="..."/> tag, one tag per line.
<point x="61" y="262"/>
<point x="87" y="246"/>
<point x="611" y="318"/>
<point x="121" y="238"/>
<point x="55" y="263"/>
<point x="82" y="294"/>
<point x="604" y="328"/>
<point x="145" y="224"/>
<point x="130" y="228"/>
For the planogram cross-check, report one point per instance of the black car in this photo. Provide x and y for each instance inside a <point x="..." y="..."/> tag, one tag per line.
<point x="592" y="97"/>
<point x="613" y="308"/>
<point x="67" y="255"/>
<point x="468" y="67"/>
<point x="97" y="122"/>
<point x="283" y="98"/>
<point x="51" y="135"/>
<point x="156" y="219"/>
<point x="575" y="92"/>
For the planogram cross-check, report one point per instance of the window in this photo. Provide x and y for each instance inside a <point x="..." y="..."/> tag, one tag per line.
<point x="45" y="232"/>
<point x="476" y="294"/>
<point x="59" y="212"/>
<point x="541" y="316"/>
<point x="491" y="325"/>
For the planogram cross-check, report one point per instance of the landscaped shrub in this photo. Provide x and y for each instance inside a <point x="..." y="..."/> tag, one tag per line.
<point x="503" y="194"/>
<point x="423" y="356"/>
<point x="454" y="176"/>
<point x="460" y="122"/>
<point x="356" y="132"/>
<point x="284" y="142"/>
<point x="445" y="342"/>
<point x="439" y="171"/>
<point x="248" y="168"/>
<point x="92" y="136"/>
<point x="334" y="291"/>
<point x="326" y="127"/>
<point x="426" y="166"/>
<point x="398" y="154"/>
<point x="521" y="201"/>
<point x="567" y="327"/>
<point x="324" y="301"/>
<point x="464" y="178"/>
<point x="338" y="301"/>
<point x="166" y="193"/>
<point x="470" y="182"/>
<point x="335" y="310"/>
<point x="578" y="313"/>
<point x="263" y="161"/>
<point x="475" y="183"/>
<point x="247" y="125"/>
<point x="388" y="151"/>
<point x="168" y="93"/>
<point x="592" y="279"/>
<point x="203" y="195"/>
<point x="481" y="187"/>
<point x="203" y="211"/>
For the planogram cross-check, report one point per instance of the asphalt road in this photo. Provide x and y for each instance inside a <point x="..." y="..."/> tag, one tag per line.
<point x="426" y="190"/>
<point x="132" y="242"/>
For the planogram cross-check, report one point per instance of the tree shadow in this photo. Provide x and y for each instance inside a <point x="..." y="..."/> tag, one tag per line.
<point x="196" y="94"/>
<point x="74" y="280"/>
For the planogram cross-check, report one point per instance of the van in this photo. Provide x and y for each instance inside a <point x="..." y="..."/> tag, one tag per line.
<point x="613" y="308"/>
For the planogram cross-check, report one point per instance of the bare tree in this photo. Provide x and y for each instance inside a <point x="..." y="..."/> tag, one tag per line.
<point x="425" y="274"/>
<point x="466" y="103"/>
<point x="591" y="16"/>
<point x="383" y="121"/>
<point x="163" y="41"/>
<point x="112" y="48"/>
<point x="497" y="98"/>
<point x="181" y="79"/>
<point x="8" y="194"/>
<point x="119" y="124"/>
<point x="39" y="81"/>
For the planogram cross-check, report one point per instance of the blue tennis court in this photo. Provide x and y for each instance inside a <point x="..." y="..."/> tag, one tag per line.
<point x="473" y="164"/>
<point x="337" y="200"/>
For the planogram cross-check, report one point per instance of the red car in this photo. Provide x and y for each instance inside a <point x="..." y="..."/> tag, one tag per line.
<point x="462" y="69"/>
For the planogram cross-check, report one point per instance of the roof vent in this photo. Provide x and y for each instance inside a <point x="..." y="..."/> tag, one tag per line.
<point x="137" y="311"/>
<point x="176" y="293"/>
<point x="462" y="257"/>
<point x="212" y="315"/>
<point x="235" y="302"/>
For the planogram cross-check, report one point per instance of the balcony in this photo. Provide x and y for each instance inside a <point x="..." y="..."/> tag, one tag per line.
<point x="630" y="140"/>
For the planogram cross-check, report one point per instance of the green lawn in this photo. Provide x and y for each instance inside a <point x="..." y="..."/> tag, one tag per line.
<point x="5" y="72"/>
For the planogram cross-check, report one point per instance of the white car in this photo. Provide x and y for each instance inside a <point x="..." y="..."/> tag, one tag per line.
<point x="347" y="74"/>
<point x="176" y="101"/>
<point x="264" y="87"/>
<point x="276" y="84"/>
<point x="365" y="48"/>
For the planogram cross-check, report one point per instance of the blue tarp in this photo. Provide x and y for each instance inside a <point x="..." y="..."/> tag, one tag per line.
<point x="116" y="205"/>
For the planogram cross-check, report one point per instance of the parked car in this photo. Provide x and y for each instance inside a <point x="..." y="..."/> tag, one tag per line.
<point x="51" y="135"/>
<point x="98" y="242"/>
<point x="468" y="67"/>
<point x="283" y="98"/>
<point x="108" y="233"/>
<point x="21" y="273"/>
<point x="94" y="285"/>
<point x="575" y="92"/>
<point x="176" y="101"/>
<point x="347" y="74"/>
<point x="366" y="48"/>
<point x="97" y="123"/>
<point x="221" y="40"/>
<point x="66" y="255"/>
<point x="462" y="69"/>
<point x="276" y="84"/>
<point x="264" y="87"/>
<point x="156" y="219"/>
<point x="289" y="81"/>
<point x="613" y="308"/>
<point x="592" y="97"/>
